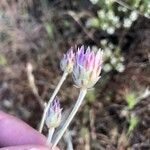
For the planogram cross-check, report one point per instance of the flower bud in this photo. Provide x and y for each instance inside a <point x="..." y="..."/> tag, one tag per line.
<point x="53" y="118"/>
<point x="67" y="61"/>
<point x="87" y="67"/>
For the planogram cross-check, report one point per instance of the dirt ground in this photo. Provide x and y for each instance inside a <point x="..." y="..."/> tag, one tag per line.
<point x="102" y="122"/>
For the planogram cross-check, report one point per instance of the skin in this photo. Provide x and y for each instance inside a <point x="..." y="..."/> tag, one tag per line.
<point x="17" y="135"/>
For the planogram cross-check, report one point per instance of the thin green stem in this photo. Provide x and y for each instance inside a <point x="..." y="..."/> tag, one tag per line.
<point x="50" y="135"/>
<point x="63" y="78"/>
<point x="71" y="116"/>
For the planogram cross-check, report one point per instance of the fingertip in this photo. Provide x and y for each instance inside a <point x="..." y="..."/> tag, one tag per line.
<point x="24" y="135"/>
<point x="3" y="115"/>
<point x="26" y="147"/>
<point x="13" y="131"/>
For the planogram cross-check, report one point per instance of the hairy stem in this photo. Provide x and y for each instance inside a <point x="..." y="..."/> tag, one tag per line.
<point x="50" y="135"/>
<point x="51" y="99"/>
<point x="71" y="116"/>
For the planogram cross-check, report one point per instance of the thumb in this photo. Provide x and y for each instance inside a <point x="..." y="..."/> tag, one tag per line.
<point x="28" y="147"/>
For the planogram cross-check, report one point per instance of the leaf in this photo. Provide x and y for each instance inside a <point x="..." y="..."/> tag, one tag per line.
<point x="132" y="123"/>
<point x="3" y="60"/>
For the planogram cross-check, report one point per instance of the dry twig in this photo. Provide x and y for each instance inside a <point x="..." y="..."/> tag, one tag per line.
<point x="32" y="84"/>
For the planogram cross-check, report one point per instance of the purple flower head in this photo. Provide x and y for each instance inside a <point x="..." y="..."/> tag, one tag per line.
<point x="53" y="118"/>
<point x="67" y="61"/>
<point x="87" y="67"/>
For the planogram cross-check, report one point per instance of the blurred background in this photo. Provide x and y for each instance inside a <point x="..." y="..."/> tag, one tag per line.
<point x="34" y="34"/>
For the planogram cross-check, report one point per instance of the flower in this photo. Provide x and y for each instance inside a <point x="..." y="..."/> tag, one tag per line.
<point x="87" y="67"/>
<point x="67" y="61"/>
<point x="53" y="118"/>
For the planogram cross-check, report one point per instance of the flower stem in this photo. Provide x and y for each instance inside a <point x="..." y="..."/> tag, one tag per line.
<point x="51" y="99"/>
<point x="72" y="114"/>
<point x="50" y="135"/>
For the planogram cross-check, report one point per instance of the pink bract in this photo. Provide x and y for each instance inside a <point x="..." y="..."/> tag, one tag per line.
<point x="87" y="67"/>
<point x="67" y="61"/>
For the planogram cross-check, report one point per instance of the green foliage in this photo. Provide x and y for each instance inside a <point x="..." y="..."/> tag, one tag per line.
<point x="133" y="3"/>
<point x="114" y="14"/>
<point x="141" y="5"/>
<point x="49" y="29"/>
<point x="106" y="19"/>
<point x="66" y="23"/>
<point x="3" y="36"/>
<point x="131" y="100"/>
<point x="84" y="132"/>
<point x="112" y="57"/>
<point x="90" y="96"/>
<point x="133" y="121"/>
<point x="3" y="60"/>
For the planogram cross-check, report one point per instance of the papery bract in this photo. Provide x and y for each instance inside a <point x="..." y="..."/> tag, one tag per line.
<point x="53" y="117"/>
<point x="87" y="67"/>
<point x="67" y="61"/>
